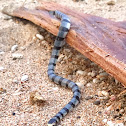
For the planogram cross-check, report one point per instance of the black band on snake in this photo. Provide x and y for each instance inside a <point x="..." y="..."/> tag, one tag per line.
<point x="63" y="30"/>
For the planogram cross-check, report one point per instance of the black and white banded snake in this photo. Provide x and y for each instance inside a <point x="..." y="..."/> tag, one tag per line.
<point x="59" y="42"/>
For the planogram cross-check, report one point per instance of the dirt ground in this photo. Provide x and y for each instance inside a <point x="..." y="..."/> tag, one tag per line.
<point x="99" y="90"/>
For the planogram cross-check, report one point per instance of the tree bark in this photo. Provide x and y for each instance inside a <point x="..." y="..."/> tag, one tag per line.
<point x="101" y="40"/>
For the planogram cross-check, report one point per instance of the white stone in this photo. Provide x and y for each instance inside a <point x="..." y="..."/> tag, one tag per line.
<point x="80" y="85"/>
<point x="17" y="56"/>
<point x="2" y="69"/>
<point x="80" y="72"/>
<point x="15" y="81"/>
<point x="116" y="81"/>
<point x="2" y="52"/>
<point x="110" y="123"/>
<point x="22" y="48"/>
<point x="24" y="78"/>
<point x="108" y="108"/>
<point x="96" y="80"/>
<point x="55" y="88"/>
<point x="89" y="84"/>
<point x="14" y="48"/>
<point x="39" y="36"/>
<point x="92" y="74"/>
<point x="89" y="74"/>
<point x="122" y="111"/>
<point x="104" y="120"/>
<point x="103" y="93"/>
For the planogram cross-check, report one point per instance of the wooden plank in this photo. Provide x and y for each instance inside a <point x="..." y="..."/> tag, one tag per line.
<point x="101" y="40"/>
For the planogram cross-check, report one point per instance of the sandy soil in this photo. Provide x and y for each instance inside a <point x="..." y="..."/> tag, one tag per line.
<point x="15" y="106"/>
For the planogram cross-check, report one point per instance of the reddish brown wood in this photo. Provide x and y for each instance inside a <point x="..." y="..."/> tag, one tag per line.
<point x="101" y="40"/>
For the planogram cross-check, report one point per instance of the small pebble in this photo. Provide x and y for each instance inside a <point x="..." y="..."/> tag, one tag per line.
<point x="1" y="52"/>
<point x="122" y="111"/>
<point x="93" y="64"/>
<point x="115" y="116"/>
<point x="96" y="80"/>
<point x="101" y="70"/>
<point x="36" y="98"/>
<point x="110" y="123"/>
<point x="103" y="93"/>
<point x="111" y="2"/>
<point x="67" y="50"/>
<point x="2" y="69"/>
<point x="39" y="36"/>
<point x="119" y="124"/>
<point x="17" y="56"/>
<point x="103" y="78"/>
<point x="108" y="110"/>
<point x="14" y="48"/>
<point x="103" y="74"/>
<point x="88" y="97"/>
<point x="92" y="74"/>
<point x="24" y="78"/>
<point x="80" y="72"/>
<point x="15" y="81"/>
<point x="77" y="124"/>
<point x="104" y="120"/>
<point x="83" y="81"/>
<point x="116" y="81"/>
<point x="2" y="90"/>
<point x="13" y="113"/>
<point x="89" y="84"/>
<point x="78" y="117"/>
<point x="112" y="97"/>
<point x="55" y="88"/>
<point x="7" y="17"/>
<point x="22" y="48"/>
<point x="97" y="102"/>
<point x="80" y="85"/>
<point x="117" y="110"/>
<point x="99" y="112"/>
<point x="120" y="115"/>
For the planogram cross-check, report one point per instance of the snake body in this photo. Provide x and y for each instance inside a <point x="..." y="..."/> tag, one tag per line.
<point x="63" y="30"/>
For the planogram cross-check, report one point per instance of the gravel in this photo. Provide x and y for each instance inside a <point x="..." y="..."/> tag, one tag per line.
<point x="29" y="74"/>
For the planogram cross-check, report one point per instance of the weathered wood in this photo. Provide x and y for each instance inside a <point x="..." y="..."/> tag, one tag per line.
<point x="101" y="40"/>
